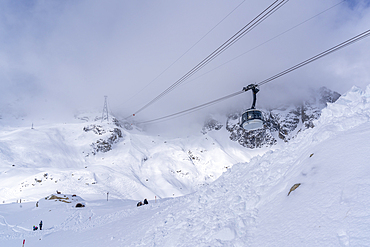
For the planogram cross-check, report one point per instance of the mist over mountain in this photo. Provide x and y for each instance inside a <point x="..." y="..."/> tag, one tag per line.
<point x="281" y="123"/>
<point x="141" y="172"/>
<point x="146" y="161"/>
<point x="84" y="179"/>
<point x="61" y="58"/>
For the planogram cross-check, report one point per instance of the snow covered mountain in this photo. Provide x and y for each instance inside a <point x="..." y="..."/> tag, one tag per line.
<point x="246" y="206"/>
<point x="282" y="123"/>
<point x="99" y="157"/>
<point x="86" y="153"/>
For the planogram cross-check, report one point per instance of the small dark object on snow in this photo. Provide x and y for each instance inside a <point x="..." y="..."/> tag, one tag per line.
<point x="58" y="192"/>
<point x="311" y="155"/>
<point x="139" y="204"/>
<point x="35" y="228"/>
<point x="73" y="195"/>
<point x="40" y="225"/>
<point x="294" y="187"/>
<point x="145" y="201"/>
<point x="79" y="205"/>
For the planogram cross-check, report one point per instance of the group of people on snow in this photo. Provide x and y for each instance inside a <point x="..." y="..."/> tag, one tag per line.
<point x="36" y="228"/>
<point x="141" y="203"/>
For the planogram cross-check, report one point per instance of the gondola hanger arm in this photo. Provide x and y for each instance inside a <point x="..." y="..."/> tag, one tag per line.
<point x="254" y="88"/>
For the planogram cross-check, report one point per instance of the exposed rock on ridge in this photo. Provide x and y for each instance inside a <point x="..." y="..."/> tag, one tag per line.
<point x="104" y="144"/>
<point x="281" y="123"/>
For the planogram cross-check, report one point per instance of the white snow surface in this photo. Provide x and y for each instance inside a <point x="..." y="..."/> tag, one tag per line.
<point x="226" y="196"/>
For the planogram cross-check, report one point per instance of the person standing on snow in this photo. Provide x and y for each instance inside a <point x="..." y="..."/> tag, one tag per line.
<point x="40" y="225"/>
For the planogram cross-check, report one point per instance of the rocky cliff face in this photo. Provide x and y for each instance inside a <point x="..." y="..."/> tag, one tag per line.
<point x="108" y="136"/>
<point x="280" y="123"/>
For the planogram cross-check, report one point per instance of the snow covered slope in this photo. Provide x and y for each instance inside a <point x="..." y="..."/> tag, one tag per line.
<point x="248" y="205"/>
<point x="91" y="157"/>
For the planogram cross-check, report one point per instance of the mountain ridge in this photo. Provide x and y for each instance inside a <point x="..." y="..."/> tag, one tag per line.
<point x="86" y="154"/>
<point x="282" y="123"/>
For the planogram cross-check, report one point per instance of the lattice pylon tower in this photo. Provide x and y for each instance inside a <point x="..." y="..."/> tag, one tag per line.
<point x="105" y="110"/>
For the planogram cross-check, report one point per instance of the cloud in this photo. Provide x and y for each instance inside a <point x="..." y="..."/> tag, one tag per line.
<point x="60" y="57"/>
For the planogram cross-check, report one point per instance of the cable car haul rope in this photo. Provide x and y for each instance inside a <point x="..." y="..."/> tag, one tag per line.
<point x="237" y="36"/>
<point x="250" y="87"/>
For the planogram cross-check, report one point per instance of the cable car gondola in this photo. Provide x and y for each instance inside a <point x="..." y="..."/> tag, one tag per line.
<point x="252" y="119"/>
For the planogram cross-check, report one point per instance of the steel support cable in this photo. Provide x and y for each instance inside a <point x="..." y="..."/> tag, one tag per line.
<point x="193" y="108"/>
<point x="281" y="34"/>
<point x="186" y="51"/>
<point x="312" y="59"/>
<point x="318" y="56"/>
<point x="252" y="24"/>
<point x="249" y="29"/>
<point x="188" y="75"/>
<point x="208" y="58"/>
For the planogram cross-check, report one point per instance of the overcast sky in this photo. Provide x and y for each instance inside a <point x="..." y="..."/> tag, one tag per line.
<point x="62" y="57"/>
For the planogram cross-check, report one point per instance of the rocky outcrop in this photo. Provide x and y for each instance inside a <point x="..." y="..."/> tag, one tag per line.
<point x="105" y="145"/>
<point x="250" y="139"/>
<point x="211" y="124"/>
<point x="110" y="136"/>
<point x="281" y="123"/>
<point x="97" y="129"/>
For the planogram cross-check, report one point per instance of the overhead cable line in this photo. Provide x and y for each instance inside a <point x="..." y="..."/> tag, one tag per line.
<point x="318" y="56"/>
<point x="286" y="31"/>
<point x="186" y="51"/>
<point x="194" y="108"/>
<point x="246" y="29"/>
<point x="297" y="66"/>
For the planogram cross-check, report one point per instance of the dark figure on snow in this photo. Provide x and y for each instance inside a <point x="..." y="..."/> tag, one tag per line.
<point x="139" y="204"/>
<point x="145" y="201"/>
<point x="34" y="228"/>
<point x="40" y="225"/>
